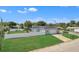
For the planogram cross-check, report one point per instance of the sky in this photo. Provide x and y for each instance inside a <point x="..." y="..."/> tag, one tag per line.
<point x="49" y="14"/>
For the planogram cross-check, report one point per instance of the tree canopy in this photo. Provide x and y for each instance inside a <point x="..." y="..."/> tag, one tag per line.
<point x="11" y="24"/>
<point x="28" y="24"/>
<point x="41" y="23"/>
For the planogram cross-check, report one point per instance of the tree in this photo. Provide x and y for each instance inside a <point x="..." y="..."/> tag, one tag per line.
<point x="34" y="24"/>
<point x="27" y="26"/>
<point x="11" y="24"/>
<point x="1" y="33"/>
<point x="64" y="27"/>
<point x="41" y="23"/>
<point x="22" y="26"/>
<point x="72" y="23"/>
<point x="50" y="24"/>
<point x="77" y="23"/>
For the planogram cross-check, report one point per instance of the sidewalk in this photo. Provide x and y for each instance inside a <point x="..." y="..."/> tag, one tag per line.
<point x="62" y="37"/>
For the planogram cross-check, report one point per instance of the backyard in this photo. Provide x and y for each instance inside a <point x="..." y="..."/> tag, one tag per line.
<point x="29" y="43"/>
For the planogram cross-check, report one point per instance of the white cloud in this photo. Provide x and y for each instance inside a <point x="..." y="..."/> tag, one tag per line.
<point x="36" y="19"/>
<point x="3" y="10"/>
<point x="22" y="11"/>
<point x="32" y="9"/>
<point x="25" y="10"/>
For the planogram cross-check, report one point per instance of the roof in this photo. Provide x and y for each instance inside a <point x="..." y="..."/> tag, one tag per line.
<point x="44" y="27"/>
<point x="73" y="27"/>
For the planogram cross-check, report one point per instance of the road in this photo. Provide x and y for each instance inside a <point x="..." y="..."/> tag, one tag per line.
<point x="20" y="35"/>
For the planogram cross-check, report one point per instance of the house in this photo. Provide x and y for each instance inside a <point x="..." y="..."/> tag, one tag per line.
<point x="16" y="28"/>
<point x="46" y="29"/>
<point x="74" y="29"/>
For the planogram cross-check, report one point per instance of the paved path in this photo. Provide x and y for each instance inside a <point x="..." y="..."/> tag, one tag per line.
<point x="71" y="46"/>
<point x="62" y="37"/>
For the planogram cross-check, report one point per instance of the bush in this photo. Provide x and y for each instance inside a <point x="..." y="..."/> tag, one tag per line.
<point x="65" y="32"/>
<point x="27" y="30"/>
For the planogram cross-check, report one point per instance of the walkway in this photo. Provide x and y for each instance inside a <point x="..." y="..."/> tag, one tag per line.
<point x="71" y="46"/>
<point x="62" y="37"/>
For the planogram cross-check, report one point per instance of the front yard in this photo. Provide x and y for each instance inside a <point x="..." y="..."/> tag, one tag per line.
<point x="70" y="36"/>
<point x="29" y="43"/>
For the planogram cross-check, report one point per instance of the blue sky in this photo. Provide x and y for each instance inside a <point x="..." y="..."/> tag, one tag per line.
<point x="50" y="14"/>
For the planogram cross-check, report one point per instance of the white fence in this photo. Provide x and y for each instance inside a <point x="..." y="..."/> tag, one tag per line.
<point x="8" y="36"/>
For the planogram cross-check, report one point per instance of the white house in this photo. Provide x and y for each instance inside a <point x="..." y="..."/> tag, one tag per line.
<point x="76" y="30"/>
<point x="46" y="29"/>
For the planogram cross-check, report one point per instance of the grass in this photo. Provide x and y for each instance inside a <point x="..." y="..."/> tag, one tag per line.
<point x="29" y="43"/>
<point x="15" y="32"/>
<point x="1" y="41"/>
<point x="71" y="36"/>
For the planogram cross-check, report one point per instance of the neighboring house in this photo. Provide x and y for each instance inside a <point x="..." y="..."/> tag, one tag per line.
<point x="74" y="29"/>
<point x="16" y="28"/>
<point x="46" y="29"/>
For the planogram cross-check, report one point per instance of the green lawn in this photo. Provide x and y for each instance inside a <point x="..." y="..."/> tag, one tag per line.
<point x="15" y="32"/>
<point x="30" y="43"/>
<point x="71" y="36"/>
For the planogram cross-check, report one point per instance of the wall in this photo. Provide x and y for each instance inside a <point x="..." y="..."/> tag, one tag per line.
<point x="53" y="31"/>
